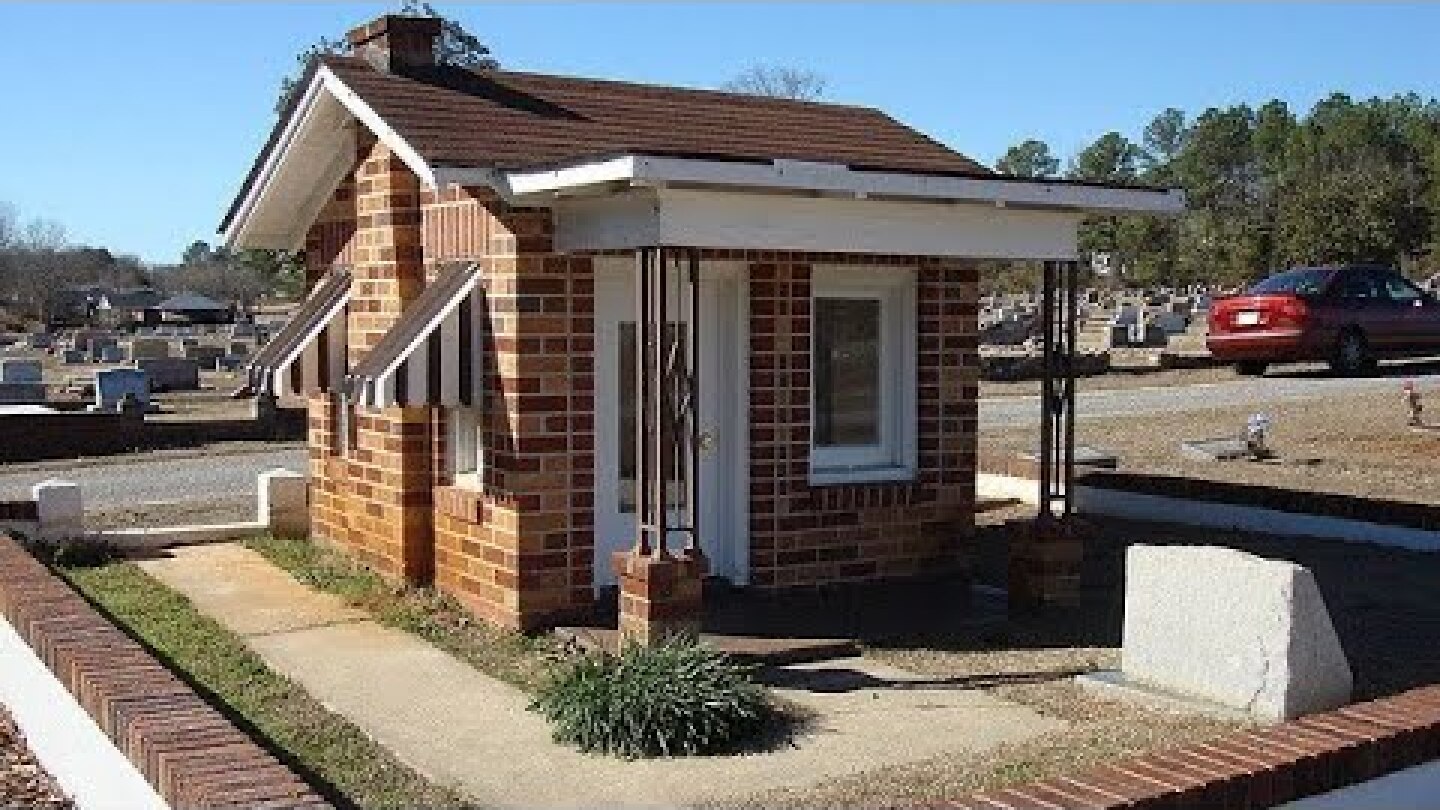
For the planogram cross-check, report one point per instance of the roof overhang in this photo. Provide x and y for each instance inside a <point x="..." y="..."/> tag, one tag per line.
<point x="314" y="149"/>
<point x="312" y="152"/>
<point x="826" y="179"/>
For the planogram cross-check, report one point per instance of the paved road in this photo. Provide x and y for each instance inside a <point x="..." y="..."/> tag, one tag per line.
<point x="1019" y="411"/>
<point x="136" y="480"/>
<point x="231" y="476"/>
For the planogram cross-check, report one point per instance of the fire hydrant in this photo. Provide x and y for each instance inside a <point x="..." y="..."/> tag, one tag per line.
<point x="1412" y="401"/>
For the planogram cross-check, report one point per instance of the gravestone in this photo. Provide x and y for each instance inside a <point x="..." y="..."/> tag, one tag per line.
<point x="205" y="356"/>
<point x="113" y="385"/>
<point x="71" y="357"/>
<point x="22" y="393"/>
<point x="98" y="345"/>
<point x="112" y="354"/>
<point x="40" y="340"/>
<point x="21" y="370"/>
<point x="1226" y="449"/>
<point x="1085" y="456"/>
<point x="1228" y="629"/>
<point x="144" y="348"/>
<point x="171" y="373"/>
<point x="1171" y="323"/>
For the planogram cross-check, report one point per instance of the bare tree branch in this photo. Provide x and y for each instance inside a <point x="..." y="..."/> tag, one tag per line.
<point x="778" y="81"/>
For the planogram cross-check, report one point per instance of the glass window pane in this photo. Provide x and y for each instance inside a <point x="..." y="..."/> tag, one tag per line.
<point x="847" y="372"/>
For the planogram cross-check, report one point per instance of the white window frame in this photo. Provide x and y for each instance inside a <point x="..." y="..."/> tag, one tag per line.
<point x="466" y="447"/>
<point x="893" y="458"/>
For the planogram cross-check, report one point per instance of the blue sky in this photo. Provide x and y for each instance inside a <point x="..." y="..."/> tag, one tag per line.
<point x="132" y="124"/>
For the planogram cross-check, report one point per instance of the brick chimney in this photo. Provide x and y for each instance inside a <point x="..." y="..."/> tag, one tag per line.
<point x="393" y="42"/>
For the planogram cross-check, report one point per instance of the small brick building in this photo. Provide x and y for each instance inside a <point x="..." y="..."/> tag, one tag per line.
<point x="553" y="320"/>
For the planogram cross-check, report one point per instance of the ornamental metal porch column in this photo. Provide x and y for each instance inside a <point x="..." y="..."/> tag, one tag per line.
<point x="667" y="372"/>
<point x="1059" y="311"/>
<point x="661" y="587"/>
<point x="1045" y="557"/>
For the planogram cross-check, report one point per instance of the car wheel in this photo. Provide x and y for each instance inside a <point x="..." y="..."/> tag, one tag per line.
<point x="1251" y="368"/>
<point x="1352" y="354"/>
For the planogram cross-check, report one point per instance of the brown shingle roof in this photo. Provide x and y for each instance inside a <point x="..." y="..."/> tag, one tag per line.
<point x="509" y="120"/>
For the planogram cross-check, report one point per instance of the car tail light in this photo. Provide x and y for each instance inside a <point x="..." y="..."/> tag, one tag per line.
<point x="1291" y="312"/>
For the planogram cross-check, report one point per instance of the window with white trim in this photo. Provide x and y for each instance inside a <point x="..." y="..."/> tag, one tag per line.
<point x="862" y="401"/>
<point x="467" y="447"/>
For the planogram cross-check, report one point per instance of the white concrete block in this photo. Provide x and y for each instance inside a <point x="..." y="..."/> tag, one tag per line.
<point x="1229" y="627"/>
<point x="60" y="510"/>
<point x="283" y="503"/>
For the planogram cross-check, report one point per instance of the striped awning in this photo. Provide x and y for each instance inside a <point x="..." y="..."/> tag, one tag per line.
<point x="308" y="354"/>
<point x="431" y="355"/>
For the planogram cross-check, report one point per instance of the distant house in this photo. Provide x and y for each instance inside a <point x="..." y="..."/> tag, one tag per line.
<point x="123" y="307"/>
<point x="187" y="308"/>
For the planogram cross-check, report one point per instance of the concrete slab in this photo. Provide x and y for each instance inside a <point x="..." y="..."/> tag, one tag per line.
<point x="245" y="592"/>
<point x="463" y="728"/>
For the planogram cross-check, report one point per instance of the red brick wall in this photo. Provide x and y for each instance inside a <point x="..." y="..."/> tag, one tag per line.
<point x="519" y="551"/>
<point x="802" y="534"/>
<point x="375" y="498"/>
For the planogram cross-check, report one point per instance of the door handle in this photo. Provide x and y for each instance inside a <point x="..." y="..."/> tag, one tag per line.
<point x="708" y="441"/>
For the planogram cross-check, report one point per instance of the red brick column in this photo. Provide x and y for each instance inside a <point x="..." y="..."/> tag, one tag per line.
<point x="520" y="552"/>
<point x="1045" y="557"/>
<point x="660" y="597"/>
<point x="384" y="483"/>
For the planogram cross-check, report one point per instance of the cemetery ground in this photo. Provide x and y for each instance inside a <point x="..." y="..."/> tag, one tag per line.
<point x="1351" y="442"/>
<point x="1381" y="600"/>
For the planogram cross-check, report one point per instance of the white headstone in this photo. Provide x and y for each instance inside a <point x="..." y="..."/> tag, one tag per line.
<point x="112" y="385"/>
<point x="1225" y="626"/>
<point x="283" y="503"/>
<point x="59" y="510"/>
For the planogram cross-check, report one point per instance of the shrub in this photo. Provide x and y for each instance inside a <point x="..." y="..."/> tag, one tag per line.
<point x="675" y="698"/>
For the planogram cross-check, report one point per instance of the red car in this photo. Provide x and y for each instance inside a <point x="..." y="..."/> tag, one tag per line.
<point x="1347" y="316"/>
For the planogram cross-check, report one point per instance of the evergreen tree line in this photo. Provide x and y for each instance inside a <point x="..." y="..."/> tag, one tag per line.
<point x="1350" y="181"/>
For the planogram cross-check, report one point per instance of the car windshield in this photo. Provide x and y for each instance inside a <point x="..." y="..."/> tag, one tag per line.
<point x="1308" y="281"/>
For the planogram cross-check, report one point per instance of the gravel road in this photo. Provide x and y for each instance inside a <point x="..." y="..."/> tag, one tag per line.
<point x="159" y="478"/>
<point x="1001" y="412"/>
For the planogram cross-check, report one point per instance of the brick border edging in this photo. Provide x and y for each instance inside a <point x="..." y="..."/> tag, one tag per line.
<point x="1247" y="770"/>
<point x="188" y="751"/>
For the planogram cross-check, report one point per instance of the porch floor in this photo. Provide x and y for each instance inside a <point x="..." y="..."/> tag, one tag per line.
<point x="798" y="625"/>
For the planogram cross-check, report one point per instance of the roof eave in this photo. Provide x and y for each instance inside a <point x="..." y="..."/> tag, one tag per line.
<point x="828" y="178"/>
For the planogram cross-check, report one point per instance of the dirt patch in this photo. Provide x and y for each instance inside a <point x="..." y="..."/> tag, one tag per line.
<point x="1350" y="444"/>
<point x="180" y="513"/>
<point x="1382" y="601"/>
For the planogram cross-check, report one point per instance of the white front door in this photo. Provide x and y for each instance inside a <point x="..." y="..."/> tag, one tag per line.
<point x="723" y="402"/>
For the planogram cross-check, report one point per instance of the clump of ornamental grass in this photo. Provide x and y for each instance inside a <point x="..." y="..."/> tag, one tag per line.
<point x="676" y="698"/>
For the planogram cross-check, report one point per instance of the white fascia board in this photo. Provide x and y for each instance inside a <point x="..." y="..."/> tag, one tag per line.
<point x="290" y="145"/>
<point x="804" y="176"/>
<point x="373" y="122"/>
<point x="303" y="110"/>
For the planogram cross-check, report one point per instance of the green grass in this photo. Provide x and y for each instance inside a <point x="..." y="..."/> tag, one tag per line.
<point x="359" y="772"/>
<point x="511" y="657"/>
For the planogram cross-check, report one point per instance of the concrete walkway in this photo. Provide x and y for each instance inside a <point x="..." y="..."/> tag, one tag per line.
<point x="463" y="728"/>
